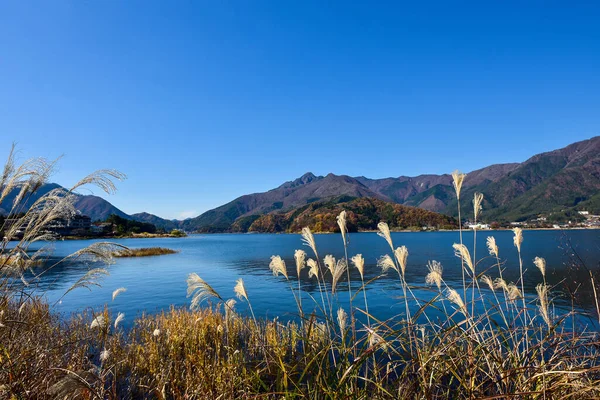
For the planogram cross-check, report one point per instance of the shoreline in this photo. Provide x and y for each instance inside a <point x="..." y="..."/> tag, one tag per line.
<point x="132" y="236"/>
<point x="168" y="236"/>
<point x="399" y="231"/>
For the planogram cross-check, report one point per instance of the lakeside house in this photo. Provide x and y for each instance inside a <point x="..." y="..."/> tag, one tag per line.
<point x="63" y="226"/>
<point x="68" y="226"/>
<point x="479" y="226"/>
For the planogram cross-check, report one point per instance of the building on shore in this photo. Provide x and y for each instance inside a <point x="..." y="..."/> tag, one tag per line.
<point x="77" y="224"/>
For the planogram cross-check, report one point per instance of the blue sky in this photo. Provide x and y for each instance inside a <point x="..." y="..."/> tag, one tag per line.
<point x="200" y="102"/>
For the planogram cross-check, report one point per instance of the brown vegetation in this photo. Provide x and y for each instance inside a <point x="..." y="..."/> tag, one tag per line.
<point x="516" y="347"/>
<point x="143" y="252"/>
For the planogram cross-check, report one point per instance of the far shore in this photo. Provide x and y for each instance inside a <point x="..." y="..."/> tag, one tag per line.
<point x="400" y="231"/>
<point x="169" y="236"/>
<point x="130" y="236"/>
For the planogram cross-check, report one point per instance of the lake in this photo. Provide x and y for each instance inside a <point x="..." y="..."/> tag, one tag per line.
<point x="155" y="283"/>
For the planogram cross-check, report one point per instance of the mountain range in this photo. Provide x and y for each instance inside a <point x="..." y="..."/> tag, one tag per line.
<point x="555" y="181"/>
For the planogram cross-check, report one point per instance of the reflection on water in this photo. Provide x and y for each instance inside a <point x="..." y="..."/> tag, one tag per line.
<point x="156" y="283"/>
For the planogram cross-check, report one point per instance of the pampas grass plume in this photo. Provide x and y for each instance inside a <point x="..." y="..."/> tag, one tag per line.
<point x="492" y="246"/>
<point x="401" y="254"/>
<point x="359" y="263"/>
<point x="118" y="292"/>
<point x="300" y="257"/>
<point x="240" y="290"/>
<point x="342" y="318"/>
<point x="329" y="261"/>
<point x="120" y="318"/>
<point x="455" y="298"/>
<point x="277" y="265"/>
<point x="309" y="240"/>
<point x="457" y="181"/>
<point x="461" y="251"/>
<point x="384" y="232"/>
<point x="518" y="238"/>
<point x="541" y="264"/>
<point x="477" y="199"/>
<point x="435" y="274"/>
<point x="386" y="263"/>
<point x="313" y="268"/>
<point x="341" y="221"/>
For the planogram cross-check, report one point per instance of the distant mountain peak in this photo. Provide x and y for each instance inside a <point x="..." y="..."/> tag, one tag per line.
<point x="307" y="177"/>
<point x="303" y="180"/>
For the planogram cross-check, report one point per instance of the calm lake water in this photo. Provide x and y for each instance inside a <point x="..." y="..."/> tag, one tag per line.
<point x="156" y="283"/>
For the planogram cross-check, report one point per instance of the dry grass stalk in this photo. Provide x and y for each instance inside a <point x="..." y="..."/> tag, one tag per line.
<point x="434" y="277"/>
<point x="277" y="266"/>
<point x="199" y="290"/>
<point x="401" y="254"/>
<point x="492" y="246"/>
<point x="457" y="182"/>
<point x="338" y="271"/>
<point x="540" y="263"/>
<point x="300" y="258"/>
<point x="386" y="263"/>
<point x="462" y="252"/>
<point x="329" y="262"/>
<point x="477" y="200"/>
<point x="117" y="292"/>
<point x="384" y="232"/>
<point x="341" y="221"/>
<point x="313" y="268"/>
<point x="359" y="263"/>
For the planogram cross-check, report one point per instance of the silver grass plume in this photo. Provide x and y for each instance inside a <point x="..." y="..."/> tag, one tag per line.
<point x="488" y="281"/>
<point x="309" y="240"/>
<point x="359" y="263"/>
<point x="300" y="257"/>
<point x="342" y="318"/>
<point x="156" y="332"/>
<point x="513" y="292"/>
<point x="329" y="262"/>
<point x="455" y="298"/>
<point x="98" y="322"/>
<point x="375" y="339"/>
<point x="313" y="268"/>
<point x="386" y="263"/>
<point x="199" y="290"/>
<point x="541" y="264"/>
<point x="341" y="221"/>
<point x="91" y="278"/>
<point x="542" y="291"/>
<point x="230" y="304"/>
<point x="500" y="283"/>
<point x="435" y="274"/>
<point x="461" y="251"/>
<point x="240" y="290"/>
<point x="477" y="199"/>
<point x="103" y="179"/>
<point x="118" y="292"/>
<point x="100" y="251"/>
<point x="104" y="354"/>
<point x="120" y="318"/>
<point x="229" y="308"/>
<point x="457" y="181"/>
<point x="338" y="271"/>
<point x="401" y="254"/>
<point x="277" y="266"/>
<point x="384" y="232"/>
<point x="492" y="246"/>
<point x="518" y="238"/>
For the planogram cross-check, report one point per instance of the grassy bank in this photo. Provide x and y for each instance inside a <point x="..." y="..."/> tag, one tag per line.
<point x="480" y="338"/>
<point x="143" y="252"/>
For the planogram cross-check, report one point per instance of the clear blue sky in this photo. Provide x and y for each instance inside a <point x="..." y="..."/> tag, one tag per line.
<point x="199" y="102"/>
